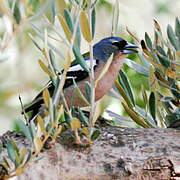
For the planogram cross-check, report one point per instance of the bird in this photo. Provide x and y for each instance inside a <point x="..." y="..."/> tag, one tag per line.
<point x="102" y="51"/>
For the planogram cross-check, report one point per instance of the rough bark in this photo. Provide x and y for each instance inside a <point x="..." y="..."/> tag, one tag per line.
<point x="119" y="153"/>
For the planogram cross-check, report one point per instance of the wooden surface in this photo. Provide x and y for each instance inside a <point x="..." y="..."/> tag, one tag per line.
<point x="119" y="153"/>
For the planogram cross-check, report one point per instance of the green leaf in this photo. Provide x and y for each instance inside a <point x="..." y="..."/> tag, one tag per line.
<point x="83" y="118"/>
<point x="52" y="110"/>
<point x="123" y="94"/>
<point x="68" y="19"/>
<point x="148" y="41"/>
<point x="93" y="17"/>
<point x="88" y="90"/>
<point x="153" y="83"/>
<point x="150" y="121"/>
<point x="172" y="37"/>
<point x="118" y="120"/>
<point x="67" y="118"/>
<point x="77" y="1"/>
<point x="124" y="81"/>
<point x="28" y="156"/>
<point x="152" y="105"/>
<point x="34" y="41"/>
<point x="11" y="151"/>
<point x="177" y="28"/>
<point x="78" y="35"/>
<point x="41" y="36"/>
<point x="95" y="135"/>
<point x="14" y="146"/>
<point x="53" y="12"/>
<point x="162" y="39"/>
<point x="79" y="93"/>
<point x="79" y="58"/>
<point x="24" y="129"/>
<point x="115" y="19"/>
<point x="175" y="91"/>
<point x="32" y="129"/>
<point x="53" y="62"/>
<point x="164" y="61"/>
<point x="143" y="60"/>
<point x="161" y="50"/>
<point x="137" y="67"/>
<point x="1" y="146"/>
<point x="144" y="94"/>
<point x="135" y="116"/>
<point x="16" y="13"/>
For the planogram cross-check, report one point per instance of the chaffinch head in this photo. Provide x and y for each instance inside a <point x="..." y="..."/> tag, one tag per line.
<point x="101" y="53"/>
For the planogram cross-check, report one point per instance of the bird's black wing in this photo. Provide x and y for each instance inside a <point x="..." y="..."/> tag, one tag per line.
<point x="75" y="72"/>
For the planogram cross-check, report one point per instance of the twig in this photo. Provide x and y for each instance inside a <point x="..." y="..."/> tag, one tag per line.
<point x="91" y="74"/>
<point x="23" y="111"/>
<point x="60" y="87"/>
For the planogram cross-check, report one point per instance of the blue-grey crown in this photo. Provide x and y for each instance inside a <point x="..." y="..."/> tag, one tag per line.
<point x="112" y="45"/>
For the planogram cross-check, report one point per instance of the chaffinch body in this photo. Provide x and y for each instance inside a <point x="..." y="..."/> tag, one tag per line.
<point x="101" y="53"/>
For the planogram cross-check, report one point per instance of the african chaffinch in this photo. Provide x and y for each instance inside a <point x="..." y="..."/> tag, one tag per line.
<point x="101" y="52"/>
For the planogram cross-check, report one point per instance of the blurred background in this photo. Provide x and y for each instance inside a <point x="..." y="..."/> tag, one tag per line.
<point x="20" y="73"/>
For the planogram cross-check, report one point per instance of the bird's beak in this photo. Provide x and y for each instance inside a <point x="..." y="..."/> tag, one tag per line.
<point x="129" y="49"/>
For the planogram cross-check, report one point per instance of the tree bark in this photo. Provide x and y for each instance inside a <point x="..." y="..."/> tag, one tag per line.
<point x="119" y="153"/>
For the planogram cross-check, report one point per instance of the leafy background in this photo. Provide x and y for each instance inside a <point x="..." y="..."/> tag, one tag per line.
<point x="20" y="72"/>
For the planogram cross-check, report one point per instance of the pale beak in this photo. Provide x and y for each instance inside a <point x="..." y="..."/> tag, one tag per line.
<point x="129" y="49"/>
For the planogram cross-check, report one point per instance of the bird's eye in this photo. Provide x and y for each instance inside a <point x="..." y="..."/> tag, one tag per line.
<point x="119" y="44"/>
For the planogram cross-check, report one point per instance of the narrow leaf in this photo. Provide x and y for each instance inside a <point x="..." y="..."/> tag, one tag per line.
<point x="148" y="41"/>
<point x="46" y="97"/>
<point x="57" y="132"/>
<point x="144" y="94"/>
<point x="97" y="112"/>
<point x="24" y="129"/>
<point x="38" y="144"/>
<point x="32" y="129"/>
<point x="68" y="19"/>
<point x="161" y="50"/>
<point x="172" y="37"/>
<point x="11" y="151"/>
<point x="104" y="70"/>
<point x="153" y="84"/>
<point x="136" y="117"/>
<point x="95" y="135"/>
<point x="123" y="94"/>
<point x="85" y="27"/>
<point x="61" y="6"/>
<point x="53" y="62"/>
<point x="35" y="43"/>
<point x="83" y="118"/>
<point x="79" y="93"/>
<point x="177" y="28"/>
<point x="93" y="21"/>
<point x="75" y="123"/>
<point x="22" y="154"/>
<point x="45" y="69"/>
<point x="152" y="105"/>
<point x="65" y="27"/>
<point x="137" y="67"/>
<point x="143" y="60"/>
<point x="123" y="80"/>
<point x="79" y="58"/>
<point x="41" y="124"/>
